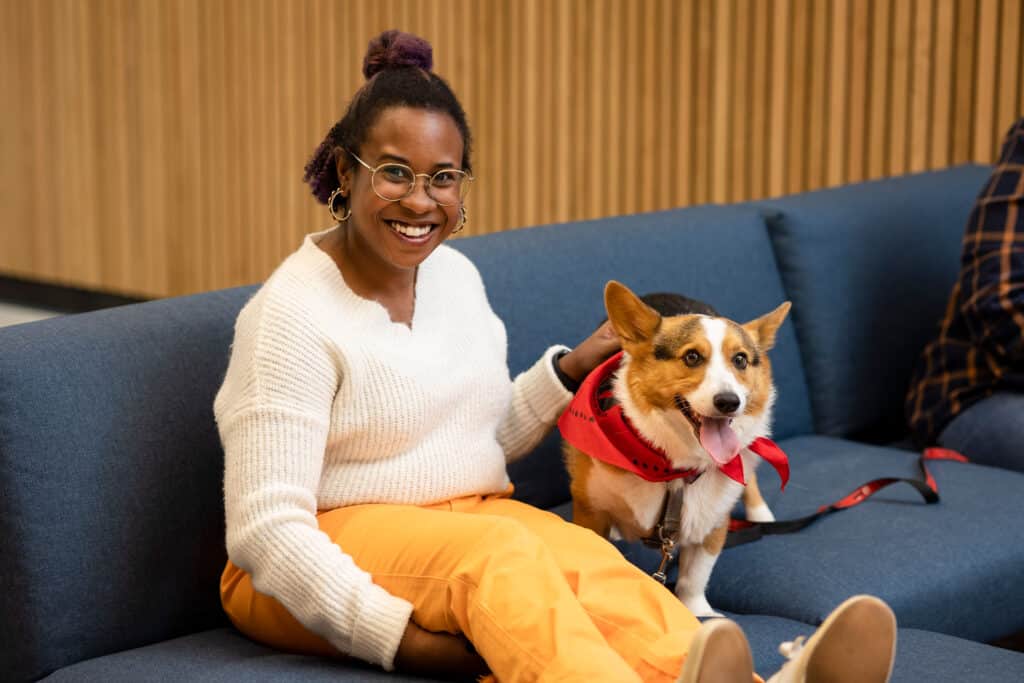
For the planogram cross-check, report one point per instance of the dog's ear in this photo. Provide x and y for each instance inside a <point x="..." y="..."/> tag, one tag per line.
<point x="764" y="328"/>
<point x="633" y="320"/>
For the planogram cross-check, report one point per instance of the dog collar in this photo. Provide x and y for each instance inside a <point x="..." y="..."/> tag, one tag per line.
<point x="595" y="424"/>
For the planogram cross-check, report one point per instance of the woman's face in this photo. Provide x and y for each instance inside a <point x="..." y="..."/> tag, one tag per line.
<point x="424" y="140"/>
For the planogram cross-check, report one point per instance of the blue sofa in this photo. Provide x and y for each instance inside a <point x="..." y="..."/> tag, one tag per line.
<point x="111" y="521"/>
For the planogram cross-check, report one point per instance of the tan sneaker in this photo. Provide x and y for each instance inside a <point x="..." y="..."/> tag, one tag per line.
<point x="719" y="653"/>
<point x="855" y="644"/>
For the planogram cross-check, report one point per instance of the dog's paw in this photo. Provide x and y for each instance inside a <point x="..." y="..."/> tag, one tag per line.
<point x="699" y="606"/>
<point x="760" y="513"/>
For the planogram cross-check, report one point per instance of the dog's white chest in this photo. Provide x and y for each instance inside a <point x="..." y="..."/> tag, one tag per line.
<point x="707" y="502"/>
<point x="636" y="505"/>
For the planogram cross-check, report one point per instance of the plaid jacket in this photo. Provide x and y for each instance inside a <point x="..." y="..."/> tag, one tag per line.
<point x="980" y="347"/>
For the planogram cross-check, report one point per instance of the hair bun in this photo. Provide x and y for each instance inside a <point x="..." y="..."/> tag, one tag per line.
<point x="396" y="49"/>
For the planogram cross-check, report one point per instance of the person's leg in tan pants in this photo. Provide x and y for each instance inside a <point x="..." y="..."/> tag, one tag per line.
<point x="539" y="598"/>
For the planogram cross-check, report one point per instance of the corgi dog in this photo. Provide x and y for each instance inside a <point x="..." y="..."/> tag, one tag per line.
<point x="697" y="390"/>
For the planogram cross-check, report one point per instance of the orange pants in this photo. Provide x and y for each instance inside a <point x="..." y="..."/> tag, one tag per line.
<point x="539" y="598"/>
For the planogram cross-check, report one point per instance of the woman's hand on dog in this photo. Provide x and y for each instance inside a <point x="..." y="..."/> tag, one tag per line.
<point x="591" y="352"/>
<point x="438" y="654"/>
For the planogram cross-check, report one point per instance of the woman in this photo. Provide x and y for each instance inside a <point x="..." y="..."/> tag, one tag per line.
<point x="367" y="418"/>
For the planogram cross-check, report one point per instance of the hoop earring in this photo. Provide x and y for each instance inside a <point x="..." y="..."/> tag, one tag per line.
<point x="330" y="207"/>
<point x="463" y="217"/>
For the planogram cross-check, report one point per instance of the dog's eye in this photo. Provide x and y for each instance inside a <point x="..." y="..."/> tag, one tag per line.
<point x="740" y="360"/>
<point x="692" y="358"/>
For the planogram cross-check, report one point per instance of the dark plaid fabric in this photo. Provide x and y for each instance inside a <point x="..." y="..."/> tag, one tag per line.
<point x="980" y="347"/>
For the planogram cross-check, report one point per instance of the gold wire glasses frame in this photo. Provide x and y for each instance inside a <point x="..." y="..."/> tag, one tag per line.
<point x="393" y="182"/>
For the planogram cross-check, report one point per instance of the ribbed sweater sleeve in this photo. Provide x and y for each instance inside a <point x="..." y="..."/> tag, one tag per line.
<point x="538" y="399"/>
<point x="273" y="413"/>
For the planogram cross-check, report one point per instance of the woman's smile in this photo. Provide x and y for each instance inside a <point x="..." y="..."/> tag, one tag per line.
<point x="416" y="233"/>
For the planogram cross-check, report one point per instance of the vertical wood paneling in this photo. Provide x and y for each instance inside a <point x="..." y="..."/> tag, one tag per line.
<point x="963" y="97"/>
<point x="1011" y="63"/>
<point x="664" y="78"/>
<point x="16" y="134"/>
<point x="837" y="151"/>
<point x="856" y="133"/>
<point x="985" y="78"/>
<point x="941" y="112"/>
<point x="880" y="116"/>
<point x="626" y="187"/>
<point x="900" y="95"/>
<point x="816" y="144"/>
<point x="920" y="86"/>
<point x="648" y="121"/>
<point x="703" y="172"/>
<point x="798" y="138"/>
<point x="685" y="168"/>
<point x="526" y="69"/>
<point x="757" y="140"/>
<point x="156" y="148"/>
<point x="741" y="105"/>
<point x="721" y="122"/>
<point x="611" y="136"/>
<point x="561" y="148"/>
<point x="781" y="119"/>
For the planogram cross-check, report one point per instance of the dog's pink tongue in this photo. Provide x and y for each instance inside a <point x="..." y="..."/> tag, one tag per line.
<point x="718" y="439"/>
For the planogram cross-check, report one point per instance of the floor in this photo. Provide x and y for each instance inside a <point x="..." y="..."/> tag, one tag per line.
<point x="12" y="314"/>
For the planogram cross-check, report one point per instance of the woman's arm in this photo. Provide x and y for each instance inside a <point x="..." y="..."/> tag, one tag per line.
<point x="273" y="413"/>
<point x="590" y="353"/>
<point x="992" y="265"/>
<point x="539" y="396"/>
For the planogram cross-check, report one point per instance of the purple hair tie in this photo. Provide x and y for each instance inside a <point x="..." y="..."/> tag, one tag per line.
<point x="396" y="49"/>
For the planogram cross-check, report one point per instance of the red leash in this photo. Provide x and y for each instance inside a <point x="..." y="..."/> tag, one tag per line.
<point x="742" y="531"/>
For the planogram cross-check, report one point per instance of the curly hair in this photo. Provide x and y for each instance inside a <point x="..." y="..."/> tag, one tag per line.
<point x="397" y="68"/>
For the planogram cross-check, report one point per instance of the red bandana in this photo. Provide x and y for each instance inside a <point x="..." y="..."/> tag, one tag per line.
<point x="595" y="424"/>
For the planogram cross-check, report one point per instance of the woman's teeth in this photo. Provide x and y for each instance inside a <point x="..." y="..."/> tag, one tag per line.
<point x="410" y="230"/>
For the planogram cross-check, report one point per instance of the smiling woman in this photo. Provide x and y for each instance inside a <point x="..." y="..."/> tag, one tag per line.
<point x="404" y="123"/>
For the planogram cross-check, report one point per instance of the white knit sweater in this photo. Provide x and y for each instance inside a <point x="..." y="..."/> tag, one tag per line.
<point x="328" y="403"/>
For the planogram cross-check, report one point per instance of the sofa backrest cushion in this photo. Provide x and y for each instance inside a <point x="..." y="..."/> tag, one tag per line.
<point x="869" y="268"/>
<point x="111" y="515"/>
<point x="547" y="284"/>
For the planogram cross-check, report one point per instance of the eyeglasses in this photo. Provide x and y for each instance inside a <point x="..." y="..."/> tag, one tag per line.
<point x="393" y="182"/>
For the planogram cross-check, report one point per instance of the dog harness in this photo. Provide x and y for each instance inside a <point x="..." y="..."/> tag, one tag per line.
<point x="595" y="423"/>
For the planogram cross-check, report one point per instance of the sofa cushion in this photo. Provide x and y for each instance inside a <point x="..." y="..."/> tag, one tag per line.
<point x="953" y="567"/>
<point x="869" y="268"/>
<point x="111" y="517"/>
<point x="224" y="655"/>
<point x="547" y="284"/>
<point x="221" y="656"/>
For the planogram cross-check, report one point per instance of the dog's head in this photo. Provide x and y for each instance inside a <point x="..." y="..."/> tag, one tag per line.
<point x="703" y="373"/>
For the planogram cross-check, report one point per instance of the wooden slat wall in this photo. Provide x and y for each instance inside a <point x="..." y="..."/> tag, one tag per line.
<point x="156" y="147"/>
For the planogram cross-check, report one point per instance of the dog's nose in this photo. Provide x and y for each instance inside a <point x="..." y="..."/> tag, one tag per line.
<point x="727" y="402"/>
